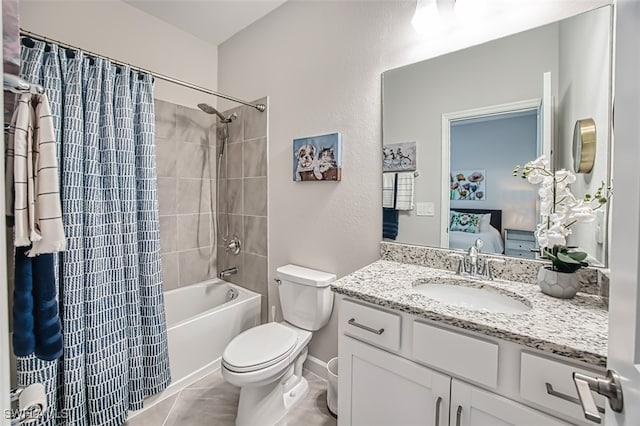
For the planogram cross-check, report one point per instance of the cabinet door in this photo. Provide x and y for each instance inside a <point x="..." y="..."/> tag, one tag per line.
<point x="472" y="406"/>
<point x="377" y="388"/>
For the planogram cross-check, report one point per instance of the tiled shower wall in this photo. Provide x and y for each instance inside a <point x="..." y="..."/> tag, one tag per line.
<point x="246" y="207"/>
<point x="185" y="146"/>
<point x="186" y="143"/>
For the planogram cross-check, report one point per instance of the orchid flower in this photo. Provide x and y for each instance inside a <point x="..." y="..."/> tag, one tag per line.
<point x="559" y="210"/>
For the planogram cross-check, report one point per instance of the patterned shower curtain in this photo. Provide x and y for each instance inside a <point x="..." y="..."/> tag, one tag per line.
<point x="110" y="279"/>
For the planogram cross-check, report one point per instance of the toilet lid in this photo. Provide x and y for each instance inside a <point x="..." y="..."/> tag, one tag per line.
<point x="259" y="347"/>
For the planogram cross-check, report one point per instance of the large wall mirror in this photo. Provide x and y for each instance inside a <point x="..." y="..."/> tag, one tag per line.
<point x="455" y="126"/>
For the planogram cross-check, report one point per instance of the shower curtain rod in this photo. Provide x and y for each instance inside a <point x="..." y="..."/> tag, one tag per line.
<point x="30" y="34"/>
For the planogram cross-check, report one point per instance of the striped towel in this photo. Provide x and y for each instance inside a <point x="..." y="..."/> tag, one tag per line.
<point x="33" y="180"/>
<point x="388" y="190"/>
<point x="404" y="195"/>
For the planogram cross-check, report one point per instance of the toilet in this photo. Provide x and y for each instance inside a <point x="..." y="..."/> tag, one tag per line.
<point x="266" y="361"/>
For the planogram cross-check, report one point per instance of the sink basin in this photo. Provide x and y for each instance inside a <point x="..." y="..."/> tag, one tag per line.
<point x="472" y="298"/>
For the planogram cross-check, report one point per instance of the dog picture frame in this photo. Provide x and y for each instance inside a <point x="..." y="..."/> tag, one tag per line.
<point x="318" y="158"/>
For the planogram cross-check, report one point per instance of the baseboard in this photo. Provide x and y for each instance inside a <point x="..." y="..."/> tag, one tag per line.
<point x="316" y="366"/>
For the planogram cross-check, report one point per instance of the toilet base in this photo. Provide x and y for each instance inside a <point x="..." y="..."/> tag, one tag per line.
<point x="266" y="404"/>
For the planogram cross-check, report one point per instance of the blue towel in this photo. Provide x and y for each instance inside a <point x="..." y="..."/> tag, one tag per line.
<point x="390" y="223"/>
<point x="24" y="339"/>
<point x="37" y="325"/>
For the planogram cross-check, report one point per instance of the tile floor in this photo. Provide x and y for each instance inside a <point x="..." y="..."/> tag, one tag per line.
<point x="213" y="402"/>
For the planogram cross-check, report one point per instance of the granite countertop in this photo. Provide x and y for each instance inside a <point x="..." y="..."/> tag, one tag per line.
<point x="574" y="328"/>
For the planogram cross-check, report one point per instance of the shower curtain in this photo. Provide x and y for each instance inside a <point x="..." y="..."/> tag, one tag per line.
<point x="109" y="278"/>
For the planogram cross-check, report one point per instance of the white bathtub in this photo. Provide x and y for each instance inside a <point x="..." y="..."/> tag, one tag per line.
<point x="201" y="320"/>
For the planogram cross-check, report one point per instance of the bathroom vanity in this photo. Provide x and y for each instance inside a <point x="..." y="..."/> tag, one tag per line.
<point x="407" y="358"/>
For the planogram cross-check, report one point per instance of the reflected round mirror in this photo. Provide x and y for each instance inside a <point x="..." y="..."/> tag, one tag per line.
<point x="584" y="145"/>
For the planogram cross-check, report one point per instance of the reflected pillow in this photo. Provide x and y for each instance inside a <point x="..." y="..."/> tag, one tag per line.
<point x="465" y="222"/>
<point x="485" y="222"/>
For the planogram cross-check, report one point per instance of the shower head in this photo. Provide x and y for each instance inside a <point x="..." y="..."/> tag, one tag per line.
<point x="211" y="110"/>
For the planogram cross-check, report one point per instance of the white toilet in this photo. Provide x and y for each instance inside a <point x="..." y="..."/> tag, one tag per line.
<point x="266" y="361"/>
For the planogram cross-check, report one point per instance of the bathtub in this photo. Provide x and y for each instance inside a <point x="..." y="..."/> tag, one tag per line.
<point x="201" y="320"/>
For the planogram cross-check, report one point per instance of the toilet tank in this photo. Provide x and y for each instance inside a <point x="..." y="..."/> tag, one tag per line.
<point x="305" y="296"/>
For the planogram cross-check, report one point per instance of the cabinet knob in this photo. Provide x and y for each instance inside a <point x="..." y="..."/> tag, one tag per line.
<point x="438" y="403"/>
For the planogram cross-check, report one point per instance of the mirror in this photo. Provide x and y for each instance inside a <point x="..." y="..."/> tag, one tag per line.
<point x="473" y="115"/>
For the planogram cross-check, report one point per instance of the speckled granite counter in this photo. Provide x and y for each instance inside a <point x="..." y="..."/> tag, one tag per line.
<point x="575" y="328"/>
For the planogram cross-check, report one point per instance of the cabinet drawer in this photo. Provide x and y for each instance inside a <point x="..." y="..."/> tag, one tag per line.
<point x="372" y="325"/>
<point x="544" y="381"/>
<point x="519" y="245"/>
<point x="466" y="356"/>
<point x="520" y="253"/>
<point x="514" y="234"/>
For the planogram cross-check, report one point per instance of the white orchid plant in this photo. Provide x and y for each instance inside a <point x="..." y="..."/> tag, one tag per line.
<point x="560" y="210"/>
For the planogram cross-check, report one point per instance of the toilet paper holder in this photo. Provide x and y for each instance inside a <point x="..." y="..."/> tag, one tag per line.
<point x="33" y="410"/>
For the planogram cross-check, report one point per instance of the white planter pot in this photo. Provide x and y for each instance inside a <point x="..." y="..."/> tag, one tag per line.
<point x="563" y="285"/>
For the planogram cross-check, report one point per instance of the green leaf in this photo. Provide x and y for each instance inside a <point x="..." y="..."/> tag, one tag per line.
<point x="578" y="255"/>
<point x="567" y="259"/>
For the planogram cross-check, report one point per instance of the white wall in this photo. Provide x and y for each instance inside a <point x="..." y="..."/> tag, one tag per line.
<point x="122" y="32"/>
<point x="320" y="65"/>
<point x="497" y="145"/>
<point x="584" y="93"/>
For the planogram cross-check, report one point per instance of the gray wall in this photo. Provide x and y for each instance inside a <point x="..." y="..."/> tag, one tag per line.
<point x="185" y="141"/>
<point x="246" y="174"/>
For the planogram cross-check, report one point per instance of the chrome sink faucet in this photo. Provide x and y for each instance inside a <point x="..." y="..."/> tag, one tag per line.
<point x="472" y="260"/>
<point x="470" y="265"/>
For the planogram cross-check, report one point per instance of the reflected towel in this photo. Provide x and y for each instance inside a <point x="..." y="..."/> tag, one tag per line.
<point x="390" y="223"/>
<point x="404" y="196"/>
<point x="388" y="190"/>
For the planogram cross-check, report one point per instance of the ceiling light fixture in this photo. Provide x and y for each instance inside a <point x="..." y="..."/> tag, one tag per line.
<point x="432" y="15"/>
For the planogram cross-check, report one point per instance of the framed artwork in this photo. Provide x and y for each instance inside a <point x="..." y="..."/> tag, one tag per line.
<point x="318" y="158"/>
<point x="468" y="185"/>
<point x="399" y="157"/>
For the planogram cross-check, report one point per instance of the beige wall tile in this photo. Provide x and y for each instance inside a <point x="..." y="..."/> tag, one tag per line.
<point x="194" y="231"/>
<point x="166" y="156"/>
<point x="193" y="161"/>
<point x="168" y="234"/>
<point x="255" y="122"/>
<point x="196" y="266"/>
<point x="234" y="160"/>
<point x="255" y="234"/>
<point x="165" y="119"/>
<point x="194" y="196"/>
<point x="192" y="125"/>
<point x="255" y="157"/>
<point x="167" y="196"/>
<point x="170" y="271"/>
<point x="255" y="196"/>
<point x="234" y="189"/>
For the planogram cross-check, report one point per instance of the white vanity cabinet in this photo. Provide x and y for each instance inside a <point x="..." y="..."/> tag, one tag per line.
<point x="387" y="389"/>
<point x="400" y="370"/>
<point x="472" y="406"/>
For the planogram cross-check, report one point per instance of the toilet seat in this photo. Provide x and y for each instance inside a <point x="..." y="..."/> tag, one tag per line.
<point x="259" y="347"/>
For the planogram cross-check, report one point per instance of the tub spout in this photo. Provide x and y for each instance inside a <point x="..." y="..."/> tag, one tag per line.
<point x="228" y="272"/>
